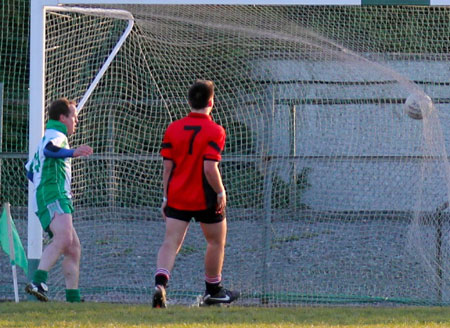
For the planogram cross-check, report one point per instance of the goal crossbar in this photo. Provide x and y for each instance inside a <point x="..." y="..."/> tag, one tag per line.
<point x="110" y="13"/>
<point x="260" y="2"/>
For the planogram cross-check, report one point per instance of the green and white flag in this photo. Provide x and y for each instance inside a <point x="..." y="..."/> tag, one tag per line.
<point x="20" y="257"/>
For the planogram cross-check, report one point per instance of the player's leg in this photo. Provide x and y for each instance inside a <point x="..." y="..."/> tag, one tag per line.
<point x="71" y="268"/>
<point x="215" y="235"/>
<point x="71" y="262"/>
<point x="59" y="221"/>
<point x="61" y="227"/>
<point x="173" y="240"/>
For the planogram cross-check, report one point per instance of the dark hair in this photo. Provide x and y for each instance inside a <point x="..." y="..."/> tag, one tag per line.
<point x="200" y="93"/>
<point x="59" y="107"/>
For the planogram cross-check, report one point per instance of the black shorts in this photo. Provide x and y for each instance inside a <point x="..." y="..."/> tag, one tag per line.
<point x="205" y="216"/>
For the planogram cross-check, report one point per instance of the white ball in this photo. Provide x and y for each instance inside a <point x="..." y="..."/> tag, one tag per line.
<point x="418" y="105"/>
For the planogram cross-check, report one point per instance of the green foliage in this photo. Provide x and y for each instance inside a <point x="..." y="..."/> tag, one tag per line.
<point x="14" y="184"/>
<point x="241" y="140"/>
<point x="107" y="183"/>
<point x="375" y="29"/>
<point x="14" y="73"/>
<point x="244" y="183"/>
<point x="288" y="195"/>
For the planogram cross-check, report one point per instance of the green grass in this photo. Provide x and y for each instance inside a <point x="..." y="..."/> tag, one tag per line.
<point x="99" y="315"/>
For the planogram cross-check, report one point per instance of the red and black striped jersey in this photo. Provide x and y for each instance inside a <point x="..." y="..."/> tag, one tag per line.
<point x="189" y="142"/>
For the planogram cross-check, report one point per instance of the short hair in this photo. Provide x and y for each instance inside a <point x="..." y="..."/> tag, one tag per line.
<point x="59" y="107"/>
<point x="200" y="93"/>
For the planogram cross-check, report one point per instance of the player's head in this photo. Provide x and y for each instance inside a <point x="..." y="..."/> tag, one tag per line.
<point x="201" y="94"/>
<point x="65" y="111"/>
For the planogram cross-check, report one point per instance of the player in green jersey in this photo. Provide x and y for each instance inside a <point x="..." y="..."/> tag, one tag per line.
<point x="50" y="172"/>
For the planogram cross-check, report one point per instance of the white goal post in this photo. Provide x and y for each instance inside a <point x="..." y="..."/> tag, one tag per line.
<point x="37" y="108"/>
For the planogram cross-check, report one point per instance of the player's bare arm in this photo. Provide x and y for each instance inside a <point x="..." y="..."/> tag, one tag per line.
<point x="212" y="173"/>
<point x="167" y="170"/>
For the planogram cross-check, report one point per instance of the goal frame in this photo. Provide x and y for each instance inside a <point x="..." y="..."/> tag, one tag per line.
<point x="37" y="101"/>
<point x="37" y="73"/>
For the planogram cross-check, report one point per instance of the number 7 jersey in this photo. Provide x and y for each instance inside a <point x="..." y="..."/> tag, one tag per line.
<point x="188" y="143"/>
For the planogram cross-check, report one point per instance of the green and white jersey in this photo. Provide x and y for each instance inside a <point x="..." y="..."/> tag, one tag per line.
<point x="51" y="176"/>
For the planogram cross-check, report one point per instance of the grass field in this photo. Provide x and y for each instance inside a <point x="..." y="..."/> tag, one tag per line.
<point x="101" y="315"/>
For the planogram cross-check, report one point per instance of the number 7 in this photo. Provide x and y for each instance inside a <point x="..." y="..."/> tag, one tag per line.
<point x="196" y="129"/>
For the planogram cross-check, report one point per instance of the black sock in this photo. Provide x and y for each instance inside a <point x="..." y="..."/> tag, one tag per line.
<point x="161" y="279"/>
<point x="213" y="289"/>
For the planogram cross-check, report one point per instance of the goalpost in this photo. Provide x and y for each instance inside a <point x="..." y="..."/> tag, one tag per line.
<point x="335" y="194"/>
<point x="37" y="108"/>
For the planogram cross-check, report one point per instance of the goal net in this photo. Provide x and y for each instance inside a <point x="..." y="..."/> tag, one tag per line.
<point x="336" y="195"/>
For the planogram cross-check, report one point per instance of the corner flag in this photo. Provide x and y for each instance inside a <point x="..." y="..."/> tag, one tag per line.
<point x="20" y="257"/>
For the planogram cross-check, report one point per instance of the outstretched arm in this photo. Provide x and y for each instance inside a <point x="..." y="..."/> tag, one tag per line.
<point x="53" y="151"/>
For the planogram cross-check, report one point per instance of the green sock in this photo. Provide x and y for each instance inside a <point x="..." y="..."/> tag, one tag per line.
<point x="40" y="276"/>
<point x="73" y="295"/>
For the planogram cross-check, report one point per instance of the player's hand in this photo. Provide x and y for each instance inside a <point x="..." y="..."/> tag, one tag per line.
<point x="83" y="150"/>
<point x="221" y="202"/>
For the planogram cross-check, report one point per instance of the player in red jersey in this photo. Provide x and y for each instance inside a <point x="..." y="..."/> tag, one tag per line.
<point x="193" y="188"/>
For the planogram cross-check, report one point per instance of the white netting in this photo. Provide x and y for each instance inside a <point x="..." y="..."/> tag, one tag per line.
<point x="333" y="189"/>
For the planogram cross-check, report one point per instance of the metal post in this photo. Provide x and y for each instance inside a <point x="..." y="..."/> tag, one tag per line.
<point x="293" y="190"/>
<point x="438" y="245"/>
<point x="439" y="255"/>
<point x="36" y="123"/>
<point x="1" y="128"/>
<point x="267" y="192"/>
<point x="112" y="163"/>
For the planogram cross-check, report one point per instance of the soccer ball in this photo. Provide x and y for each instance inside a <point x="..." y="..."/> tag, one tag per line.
<point x="418" y="105"/>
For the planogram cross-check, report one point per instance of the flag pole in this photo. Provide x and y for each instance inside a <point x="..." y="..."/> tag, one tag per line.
<point x="12" y="252"/>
